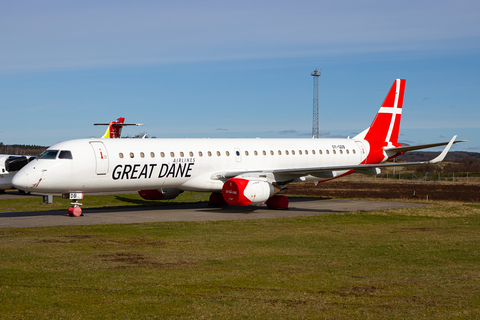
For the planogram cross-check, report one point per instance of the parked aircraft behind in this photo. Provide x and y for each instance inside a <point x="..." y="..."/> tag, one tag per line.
<point x="238" y="172"/>
<point x="9" y="166"/>
<point x="114" y="129"/>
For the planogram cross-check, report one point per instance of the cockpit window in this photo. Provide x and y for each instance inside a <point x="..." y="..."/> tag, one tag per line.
<point x="49" y="154"/>
<point x="65" y="154"/>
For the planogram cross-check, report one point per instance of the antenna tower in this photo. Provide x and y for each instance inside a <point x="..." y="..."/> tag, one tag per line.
<point x="315" y="130"/>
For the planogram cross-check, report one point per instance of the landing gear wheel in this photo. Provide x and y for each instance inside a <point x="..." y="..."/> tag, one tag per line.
<point x="75" y="210"/>
<point x="277" y="202"/>
<point x="216" y="199"/>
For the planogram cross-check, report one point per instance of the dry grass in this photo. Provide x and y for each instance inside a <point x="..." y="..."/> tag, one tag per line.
<point x="437" y="209"/>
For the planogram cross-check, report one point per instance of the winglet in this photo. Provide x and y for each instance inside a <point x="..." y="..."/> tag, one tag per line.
<point x="442" y="155"/>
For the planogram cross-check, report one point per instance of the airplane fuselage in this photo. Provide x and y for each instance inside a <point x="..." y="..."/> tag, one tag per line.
<point x="94" y="165"/>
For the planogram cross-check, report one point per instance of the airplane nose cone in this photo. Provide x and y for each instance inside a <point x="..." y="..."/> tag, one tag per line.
<point x="20" y="181"/>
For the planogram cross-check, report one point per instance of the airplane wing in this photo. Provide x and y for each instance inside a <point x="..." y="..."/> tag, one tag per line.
<point x="319" y="170"/>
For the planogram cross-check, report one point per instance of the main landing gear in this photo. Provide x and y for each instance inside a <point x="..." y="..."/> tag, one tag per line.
<point x="74" y="210"/>
<point x="216" y="200"/>
<point x="277" y="202"/>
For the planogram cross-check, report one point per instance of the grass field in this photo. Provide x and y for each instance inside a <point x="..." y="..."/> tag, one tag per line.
<point x="415" y="263"/>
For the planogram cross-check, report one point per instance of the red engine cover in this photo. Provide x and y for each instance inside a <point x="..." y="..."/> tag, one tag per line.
<point x="233" y="192"/>
<point x="153" y="194"/>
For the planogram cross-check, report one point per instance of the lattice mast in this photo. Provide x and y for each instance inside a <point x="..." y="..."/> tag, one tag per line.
<point x="315" y="129"/>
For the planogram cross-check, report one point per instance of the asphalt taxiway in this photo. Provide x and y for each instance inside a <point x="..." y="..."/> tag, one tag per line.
<point x="191" y="212"/>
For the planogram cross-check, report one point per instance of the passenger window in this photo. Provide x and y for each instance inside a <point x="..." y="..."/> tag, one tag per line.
<point x="354" y="151"/>
<point x="131" y="155"/>
<point x="218" y="153"/>
<point x="328" y="152"/>
<point x="348" y="152"/>
<point x="306" y="151"/>
<point x="49" y="154"/>
<point x="246" y="153"/>
<point x="300" y="152"/>
<point x="172" y="154"/>
<point x="227" y="153"/>
<point x="313" y="151"/>
<point x="65" y="154"/>
<point x="341" y="152"/>
<point x="152" y="154"/>
<point x="181" y="154"/>
<point x="209" y="154"/>
<point x="120" y="155"/>
<point x="320" y="152"/>
<point x="334" y="152"/>
<point x="286" y="152"/>
<point x="279" y="152"/>
<point x="293" y="152"/>
<point x="255" y="152"/>
<point x="191" y="154"/>
<point x="271" y="152"/>
<point x="162" y="154"/>
<point x="142" y="155"/>
<point x="200" y="154"/>
<point x="264" y="152"/>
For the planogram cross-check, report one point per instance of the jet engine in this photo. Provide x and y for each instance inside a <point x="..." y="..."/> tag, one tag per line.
<point x="243" y="192"/>
<point x="159" y="194"/>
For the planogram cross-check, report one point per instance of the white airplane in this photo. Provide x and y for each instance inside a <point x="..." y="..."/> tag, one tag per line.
<point x="238" y="172"/>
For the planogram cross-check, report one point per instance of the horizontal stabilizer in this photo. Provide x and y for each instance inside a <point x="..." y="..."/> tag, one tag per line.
<point x="418" y="147"/>
<point x="119" y="124"/>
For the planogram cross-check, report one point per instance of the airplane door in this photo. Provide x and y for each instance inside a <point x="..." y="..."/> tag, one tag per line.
<point x="238" y="155"/>
<point x="363" y="152"/>
<point x="101" y="157"/>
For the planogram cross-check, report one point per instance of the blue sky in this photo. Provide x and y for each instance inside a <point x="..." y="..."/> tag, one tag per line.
<point x="237" y="68"/>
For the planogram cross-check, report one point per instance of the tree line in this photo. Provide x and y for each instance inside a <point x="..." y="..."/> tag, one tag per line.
<point x="21" y="149"/>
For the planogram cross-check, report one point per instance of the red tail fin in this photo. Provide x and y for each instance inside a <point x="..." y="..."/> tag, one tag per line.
<point x="384" y="129"/>
<point x="386" y="124"/>
<point x="115" y="128"/>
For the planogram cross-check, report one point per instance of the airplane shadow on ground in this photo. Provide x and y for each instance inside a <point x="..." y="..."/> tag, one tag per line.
<point x="211" y="208"/>
<point x="143" y="206"/>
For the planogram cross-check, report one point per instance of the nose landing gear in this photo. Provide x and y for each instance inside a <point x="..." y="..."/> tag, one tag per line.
<point x="75" y="210"/>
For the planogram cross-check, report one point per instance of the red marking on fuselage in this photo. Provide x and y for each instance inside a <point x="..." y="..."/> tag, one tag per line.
<point x="35" y="185"/>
